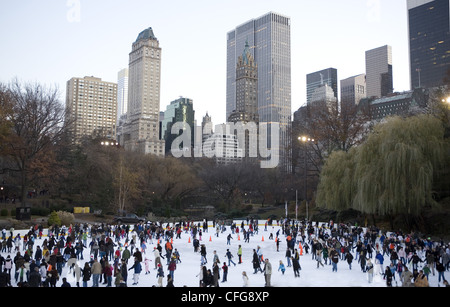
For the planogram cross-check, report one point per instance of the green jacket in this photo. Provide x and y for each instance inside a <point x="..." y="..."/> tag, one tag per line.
<point x="126" y="254"/>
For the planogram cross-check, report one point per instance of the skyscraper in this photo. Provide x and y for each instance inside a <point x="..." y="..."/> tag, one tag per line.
<point x="179" y="110"/>
<point x="353" y="89"/>
<point x="92" y="104"/>
<point x="320" y="78"/>
<point x="325" y="94"/>
<point x="247" y="102"/>
<point x="429" y="41"/>
<point x="122" y="92"/>
<point x="246" y="109"/>
<point x="141" y="129"/>
<point x="269" y="39"/>
<point x="379" y="79"/>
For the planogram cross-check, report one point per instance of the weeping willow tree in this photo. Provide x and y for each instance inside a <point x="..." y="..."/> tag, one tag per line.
<point x="391" y="173"/>
<point x="337" y="186"/>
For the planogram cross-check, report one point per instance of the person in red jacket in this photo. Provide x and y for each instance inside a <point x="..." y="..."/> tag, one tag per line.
<point x="108" y="271"/>
<point x="172" y="267"/>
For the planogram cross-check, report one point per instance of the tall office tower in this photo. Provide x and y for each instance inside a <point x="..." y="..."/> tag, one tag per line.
<point x="269" y="39"/>
<point x="141" y="129"/>
<point x="122" y="92"/>
<point x="319" y="78"/>
<point x="379" y="80"/>
<point x="92" y="105"/>
<point x="122" y="102"/>
<point x="353" y="89"/>
<point x="429" y="42"/>
<point x="179" y="110"/>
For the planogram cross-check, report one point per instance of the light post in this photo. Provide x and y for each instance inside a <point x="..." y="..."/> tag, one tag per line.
<point x="109" y="143"/>
<point x="305" y="140"/>
<point x="446" y="100"/>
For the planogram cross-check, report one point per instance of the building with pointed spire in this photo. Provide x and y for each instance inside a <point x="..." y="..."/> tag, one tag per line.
<point x="246" y="89"/>
<point x="246" y="100"/>
<point x="207" y="127"/>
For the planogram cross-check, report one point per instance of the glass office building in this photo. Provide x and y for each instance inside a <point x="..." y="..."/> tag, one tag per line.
<point x="429" y="41"/>
<point x="269" y="38"/>
<point x="320" y="78"/>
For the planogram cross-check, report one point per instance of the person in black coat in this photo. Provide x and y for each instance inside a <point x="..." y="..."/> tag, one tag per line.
<point x="5" y="279"/>
<point x="415" y="259"/>
<point x="349" y="258"/>
<point x="256" y="263"/>
<point x="35" y="278"/>
<point x="388" y="276"/>
<point x="441" y="269"/>
<point x="207" y="278"/>
<point x="86" y="272"/>
<point x="65" y="284"/>
<point x="296" y="266"/>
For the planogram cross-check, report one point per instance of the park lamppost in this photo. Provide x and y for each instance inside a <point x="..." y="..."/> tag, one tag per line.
<point x="109" y="143"/>
<point x="446" y="100"/>
<point x="305" y="140"/>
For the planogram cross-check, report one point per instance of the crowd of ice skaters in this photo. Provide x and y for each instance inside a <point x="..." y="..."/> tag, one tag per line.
<point x="116" y="252"/>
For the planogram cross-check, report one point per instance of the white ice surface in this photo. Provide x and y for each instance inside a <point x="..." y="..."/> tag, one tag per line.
<point x="187" y="271"/>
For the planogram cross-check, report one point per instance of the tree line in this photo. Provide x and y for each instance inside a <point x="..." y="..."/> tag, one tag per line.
<point x="37" y="154"/>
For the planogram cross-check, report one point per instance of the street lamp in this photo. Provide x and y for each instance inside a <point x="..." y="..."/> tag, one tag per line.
<point x="446" y="100"/>
<point x="109" y="143"/>
<point x="305" y="140"/>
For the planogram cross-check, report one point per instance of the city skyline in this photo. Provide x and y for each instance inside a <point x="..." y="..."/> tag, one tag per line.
<point x="76" y="38"/>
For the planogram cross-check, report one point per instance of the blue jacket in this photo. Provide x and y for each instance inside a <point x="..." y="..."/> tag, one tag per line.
<point x="137" y="267"/>
<point x="380" y="258"/>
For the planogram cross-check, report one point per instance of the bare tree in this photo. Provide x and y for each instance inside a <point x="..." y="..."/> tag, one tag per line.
<point x="37" y="121"/>
<point x="125" y="183"/>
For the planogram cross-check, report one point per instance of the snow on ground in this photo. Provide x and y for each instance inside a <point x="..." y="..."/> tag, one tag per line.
<point x="187" y="271"/>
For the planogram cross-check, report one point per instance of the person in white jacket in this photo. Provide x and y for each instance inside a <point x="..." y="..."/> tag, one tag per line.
<point x="245" y="278"/>
<point x="402" y="254"/>
<point x="8" y="266"/>
<point x="267" y="272"/>
<point x="43" y="272"/>
<point x="157" y="257"/>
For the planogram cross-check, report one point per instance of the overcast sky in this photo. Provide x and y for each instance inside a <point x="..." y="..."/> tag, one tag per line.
<point x="51" y="41"/>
